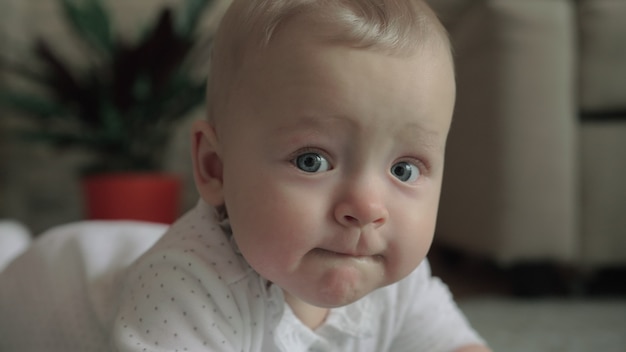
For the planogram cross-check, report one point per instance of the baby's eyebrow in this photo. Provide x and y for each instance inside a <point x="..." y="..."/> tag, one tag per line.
<point x="419" y="134"/>
<point x="409" y="133"/>
<point x="316" y="123"/>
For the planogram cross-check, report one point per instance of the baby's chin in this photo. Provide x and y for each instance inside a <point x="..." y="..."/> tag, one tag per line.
<point x="340" y="291"/>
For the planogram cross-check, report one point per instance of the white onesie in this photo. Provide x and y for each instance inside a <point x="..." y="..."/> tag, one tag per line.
<point x="193" y="292"/>
<point x="106" y="286"/>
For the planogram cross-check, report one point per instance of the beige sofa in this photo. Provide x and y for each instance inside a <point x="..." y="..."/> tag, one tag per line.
<point x="536" y="161"/>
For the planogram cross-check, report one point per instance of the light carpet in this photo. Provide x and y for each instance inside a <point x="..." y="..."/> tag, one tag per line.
<point x="549" y="325"/>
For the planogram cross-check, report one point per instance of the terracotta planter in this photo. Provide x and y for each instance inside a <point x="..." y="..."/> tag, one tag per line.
<point x="150" y="197"/>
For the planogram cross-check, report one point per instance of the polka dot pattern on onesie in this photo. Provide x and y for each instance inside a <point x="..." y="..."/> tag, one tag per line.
<point x="187" y="293"/>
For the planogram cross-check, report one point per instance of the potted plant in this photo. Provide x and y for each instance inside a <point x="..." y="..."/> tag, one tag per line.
<point x="121" y="107"/>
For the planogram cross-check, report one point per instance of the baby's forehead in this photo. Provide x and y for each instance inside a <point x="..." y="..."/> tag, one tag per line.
<point x="401" y="27"/>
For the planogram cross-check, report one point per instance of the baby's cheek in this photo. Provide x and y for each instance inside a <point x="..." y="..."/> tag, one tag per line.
<point x="406" y="256"/>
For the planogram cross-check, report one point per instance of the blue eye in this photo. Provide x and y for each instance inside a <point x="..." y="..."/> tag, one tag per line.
<point x="405" y="172"/>
<point x="311" y="162"/>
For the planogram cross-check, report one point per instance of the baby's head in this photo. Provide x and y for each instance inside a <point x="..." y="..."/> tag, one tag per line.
<point x="326" y="140"/>
<point x="391" y="26"/>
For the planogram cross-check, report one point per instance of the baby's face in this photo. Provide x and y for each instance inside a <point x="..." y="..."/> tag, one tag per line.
<point x="332" y="161"/>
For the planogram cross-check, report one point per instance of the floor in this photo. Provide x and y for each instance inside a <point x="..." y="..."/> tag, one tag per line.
<point x="549" y="324"/>
<point x="538" y="306"/>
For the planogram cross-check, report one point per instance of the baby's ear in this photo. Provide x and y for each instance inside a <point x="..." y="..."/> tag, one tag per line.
<point x="207" y="162"/>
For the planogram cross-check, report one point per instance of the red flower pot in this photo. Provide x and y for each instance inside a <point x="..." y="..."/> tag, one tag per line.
<point x="153" y="197"/>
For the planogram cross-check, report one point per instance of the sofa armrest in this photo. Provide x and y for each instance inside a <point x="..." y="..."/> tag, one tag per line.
<point x="602" y="58"/>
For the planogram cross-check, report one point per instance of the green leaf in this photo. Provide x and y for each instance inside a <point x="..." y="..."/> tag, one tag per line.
<point x="60" y="139"/>
<point x="20" y="71"/>
<point x="187" y="19"/>
<point x="30" y="105"/>
<point x="112" y="123"/>
<point x="91" y="22"/>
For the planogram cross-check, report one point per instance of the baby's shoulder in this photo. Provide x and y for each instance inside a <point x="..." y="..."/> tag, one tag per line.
<point x="193" y="284"/>
<point x="196" y="252"/>
<point x="195" y="264"/>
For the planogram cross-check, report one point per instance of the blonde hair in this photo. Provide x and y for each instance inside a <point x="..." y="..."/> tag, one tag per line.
<point x="398" y="26"/>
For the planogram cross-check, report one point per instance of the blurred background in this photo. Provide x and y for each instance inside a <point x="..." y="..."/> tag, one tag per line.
<point x="95" y="84"/>
<point x="532" y="230"/>
<point x="531" y="235"/>
<point x="536" y="160"/>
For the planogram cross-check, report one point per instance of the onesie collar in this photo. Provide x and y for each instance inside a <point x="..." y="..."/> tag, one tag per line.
<point x="354" y="321"/>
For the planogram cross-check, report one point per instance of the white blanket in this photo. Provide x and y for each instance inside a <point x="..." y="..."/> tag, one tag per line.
<point x="63" y="286"/>
<point x="14" y="239"/>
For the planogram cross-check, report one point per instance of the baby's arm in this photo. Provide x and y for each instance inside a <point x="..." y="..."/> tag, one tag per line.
<point x="473" y="348"/>
<point x="429" y="317"/>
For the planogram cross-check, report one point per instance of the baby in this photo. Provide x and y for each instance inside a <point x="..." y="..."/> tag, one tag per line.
<point x="319" y="170"/>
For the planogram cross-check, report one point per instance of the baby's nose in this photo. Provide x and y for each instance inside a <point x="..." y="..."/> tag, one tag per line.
<point x="361" y="211"/>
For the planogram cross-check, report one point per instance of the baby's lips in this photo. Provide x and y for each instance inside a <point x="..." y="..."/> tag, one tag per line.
<point x="350" y="253"/>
